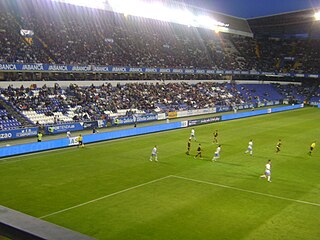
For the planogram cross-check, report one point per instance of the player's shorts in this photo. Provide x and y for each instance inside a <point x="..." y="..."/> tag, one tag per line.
<point x="153" y="154"/>
<point x="80" y="142"/>
<point x="311" y="148"/>
<point x="216" y="155"/>
<point x="249" y="148"/>
<point x="267" y="172"/>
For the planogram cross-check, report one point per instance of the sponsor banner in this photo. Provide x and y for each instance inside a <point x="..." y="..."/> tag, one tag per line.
<point x="73" y="141"/>
<point x="247" y="106"/>
<point x="123" y="120"/>
<point x="204" y="120"/>
<point x="318" y="105"/>
<point x="40" y="67"/>
<point x="223" y="109"/>
<point x="194" y="112"/>
<point x="136" y="118"/>
<point x="147" y="118"/>
<point x="184" y="124"/>
<point x="172" y="115"/>
<point x="162" y="116"/>
<point x="89" y="125"/>
<point x="61" y="128"/>
<point x="18" y="133"/>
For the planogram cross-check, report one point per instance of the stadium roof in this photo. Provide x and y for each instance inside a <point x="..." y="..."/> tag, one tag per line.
<point x="254" y="8"/>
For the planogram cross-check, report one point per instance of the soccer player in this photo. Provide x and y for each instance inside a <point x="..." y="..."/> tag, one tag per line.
<point x="278" y="146"/>
<point x="68" y="134"/>
<point x="193" y="135"/>
<point x="39" y="137"/>
<point x="250" y="146"/>
<point x="217" y="153"/>
<point x="215" y="137"/>
<point x="154" y="154"/>
<point x="267" y="172"/>
<point x="199" y="150"/>
<point x="189" y="146"/>
<point x="80" y="141"/>
<point x="313" y="145"/>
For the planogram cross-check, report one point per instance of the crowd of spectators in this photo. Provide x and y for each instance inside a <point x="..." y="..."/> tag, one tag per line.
<point x="94" y="102"/>
<point x="77" y="103"/>
<point x="81" y="36"/>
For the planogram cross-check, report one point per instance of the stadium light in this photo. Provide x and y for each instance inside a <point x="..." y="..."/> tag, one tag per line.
<point x="158" y="11"/>
<point x="317" y="16"/>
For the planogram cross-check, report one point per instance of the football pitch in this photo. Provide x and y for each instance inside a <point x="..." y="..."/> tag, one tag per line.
<point x="111" y="190"/>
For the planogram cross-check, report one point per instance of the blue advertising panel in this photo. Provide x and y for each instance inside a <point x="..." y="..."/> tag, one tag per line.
<point x="18" y="133"/>
<point x="61" y="128"/>
<point x="223" y="109"/>
<point x="89" y="125"/>
<point x="40" y="67"/>
<point x="204" y="120"/>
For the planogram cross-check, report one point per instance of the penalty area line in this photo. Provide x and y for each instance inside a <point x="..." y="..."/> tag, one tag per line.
<point x="104" y="197"/>
<point x="248" y="191"/>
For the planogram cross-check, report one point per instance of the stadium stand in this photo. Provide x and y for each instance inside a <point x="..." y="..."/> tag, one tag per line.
<point x="49" y="105"/>
<point x="78" y="36"/>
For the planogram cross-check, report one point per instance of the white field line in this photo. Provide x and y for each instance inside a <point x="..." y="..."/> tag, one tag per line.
<point x="247" y="191"/>
<point x="187" y="179"/>
<point x="104" y="197"/>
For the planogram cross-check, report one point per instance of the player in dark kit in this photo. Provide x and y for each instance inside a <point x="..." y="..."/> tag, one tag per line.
<point x="189" y="146"/>
<point x="278" y="146"/>
<point x="199" y="150"/>
<point x="215" y="137"/>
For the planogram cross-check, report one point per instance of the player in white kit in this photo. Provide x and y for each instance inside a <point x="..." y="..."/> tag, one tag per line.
<point x="250" y="146"/>
<point x="267" y="172"/>
<point x="154" y="154"/>
<point x="193" y="134"/>
<point x="217" y="153"/>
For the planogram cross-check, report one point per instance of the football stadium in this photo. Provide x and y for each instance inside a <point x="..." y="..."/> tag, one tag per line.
<point x="136" y="119"/>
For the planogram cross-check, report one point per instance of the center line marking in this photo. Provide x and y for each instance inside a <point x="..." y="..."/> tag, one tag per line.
<point x="248" y="191"/>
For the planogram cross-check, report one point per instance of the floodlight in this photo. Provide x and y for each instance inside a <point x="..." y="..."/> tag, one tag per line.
<point x="158" y="11"/>
<point x="317" y="16"/>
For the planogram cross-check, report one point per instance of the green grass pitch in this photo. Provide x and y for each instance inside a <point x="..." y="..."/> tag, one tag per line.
<point x="111" y="190"/>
